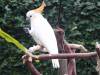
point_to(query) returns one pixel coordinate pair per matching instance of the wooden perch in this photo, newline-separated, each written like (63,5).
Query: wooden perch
(67,51)
(34,71)
(64,56)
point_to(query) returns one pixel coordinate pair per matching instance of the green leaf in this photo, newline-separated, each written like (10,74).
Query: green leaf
(10,39)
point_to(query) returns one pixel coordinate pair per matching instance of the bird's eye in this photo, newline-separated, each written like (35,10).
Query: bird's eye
(31,16)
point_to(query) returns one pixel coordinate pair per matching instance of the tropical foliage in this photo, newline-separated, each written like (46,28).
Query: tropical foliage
(79,18)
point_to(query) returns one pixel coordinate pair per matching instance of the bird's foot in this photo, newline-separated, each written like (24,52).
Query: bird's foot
(26,58)
(44,50)
(34,48)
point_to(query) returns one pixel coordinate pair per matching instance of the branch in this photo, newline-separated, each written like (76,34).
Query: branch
(31,67)
(65,56)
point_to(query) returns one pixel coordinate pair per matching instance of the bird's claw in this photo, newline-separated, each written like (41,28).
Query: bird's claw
(34,48)
(37,57)
(26,58)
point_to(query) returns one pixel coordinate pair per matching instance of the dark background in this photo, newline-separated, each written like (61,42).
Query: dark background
(80,20)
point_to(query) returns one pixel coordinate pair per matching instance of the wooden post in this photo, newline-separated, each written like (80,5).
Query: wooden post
(67,66)
(98,49)
(71,61)
(60,40)
(98,57)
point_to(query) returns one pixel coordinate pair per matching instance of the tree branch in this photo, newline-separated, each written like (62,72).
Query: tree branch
(31,67)
(65,56)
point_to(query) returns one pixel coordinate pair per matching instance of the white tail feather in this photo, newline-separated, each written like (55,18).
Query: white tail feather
(55,63)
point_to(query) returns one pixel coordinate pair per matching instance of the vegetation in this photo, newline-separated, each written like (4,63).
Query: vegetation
(79,18)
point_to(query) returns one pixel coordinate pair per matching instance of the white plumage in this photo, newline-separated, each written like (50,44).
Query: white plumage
(43,34)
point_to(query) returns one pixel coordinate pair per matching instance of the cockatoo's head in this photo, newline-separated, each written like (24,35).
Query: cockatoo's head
(34,12)
(29,14)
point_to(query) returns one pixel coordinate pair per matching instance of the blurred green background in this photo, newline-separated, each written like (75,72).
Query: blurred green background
(80,20)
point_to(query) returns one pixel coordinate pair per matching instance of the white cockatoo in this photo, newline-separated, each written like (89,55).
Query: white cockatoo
(42,32)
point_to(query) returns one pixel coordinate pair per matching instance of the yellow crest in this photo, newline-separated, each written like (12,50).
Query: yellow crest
(41,8)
